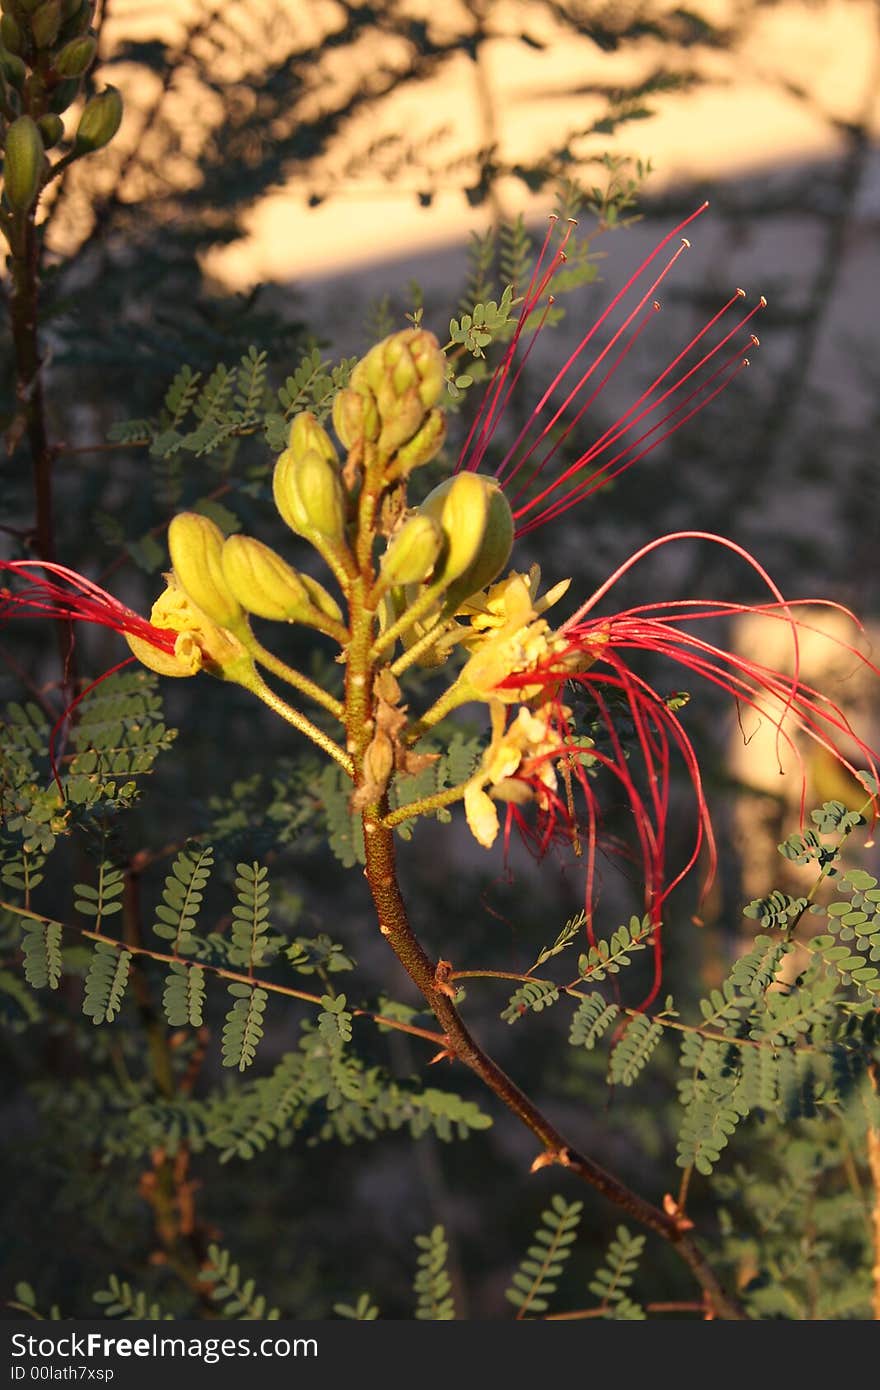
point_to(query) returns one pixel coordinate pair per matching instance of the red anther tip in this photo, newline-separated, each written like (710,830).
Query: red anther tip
(741,293)
(551,299)
(746,362)
(685,242)
(553,217)
(656,306)
(563,256)
(756,340)
(572,221)
(763,302)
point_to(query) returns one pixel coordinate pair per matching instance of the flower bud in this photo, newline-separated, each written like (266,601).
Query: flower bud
(201,644)
(379,760)
(306,433)
(69,8)
(66,92)
(75,57)
(23,164)
(45,23)
(405,373)
(99,121)
(266,585)
(425,444)
(355,417)
(309,496)
(51,130)
(196,546)
(412,553)
(12,68)
(10,34)
(476,519)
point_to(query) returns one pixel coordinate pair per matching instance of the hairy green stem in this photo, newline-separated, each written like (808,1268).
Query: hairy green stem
(293,677)
(301,722)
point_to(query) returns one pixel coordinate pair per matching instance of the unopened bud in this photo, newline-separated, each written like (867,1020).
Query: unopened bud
(10,34)
(23,164)
(51,130)
(355,417)
(267,585)
(71,7)
(321,600)
(195,544)
(309,496)
(405,374)
(75,57)
(306,434)
(425,444)
(476,519)
(379,760)
(45,23)
(64,94)
(13,69)
(99,121)
(413,552)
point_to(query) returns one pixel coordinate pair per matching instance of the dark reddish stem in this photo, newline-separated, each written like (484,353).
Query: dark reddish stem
(394,925)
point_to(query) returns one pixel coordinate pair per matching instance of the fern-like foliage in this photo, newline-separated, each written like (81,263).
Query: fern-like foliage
(41,945)
(120,1300)
(243,1028)
(364,1310)
(100,901)
(183,997)
(609,957)
(105,983)
(432,1285)
(634,1050)
(536,1279)
(250,915)
(237,1298)
(591,1020)
(615,1276)
(182,897)
(534,995)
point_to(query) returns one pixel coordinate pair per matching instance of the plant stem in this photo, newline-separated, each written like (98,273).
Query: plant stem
(381,874)
(295,678)
(304,725)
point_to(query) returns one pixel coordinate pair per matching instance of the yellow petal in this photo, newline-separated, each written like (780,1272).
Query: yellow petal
(482,816)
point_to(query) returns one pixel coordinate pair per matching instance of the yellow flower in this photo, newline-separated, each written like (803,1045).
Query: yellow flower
(508,635)
(201,645)
(516,766)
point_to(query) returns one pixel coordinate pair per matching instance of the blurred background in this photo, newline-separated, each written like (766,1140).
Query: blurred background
(303,174)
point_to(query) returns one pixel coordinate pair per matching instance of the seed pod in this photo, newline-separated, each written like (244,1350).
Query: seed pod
(476,519)
(263,582)
(23,164)
(45,23)
(10,34)
(195,544)
(75,57)
(51,130)
(413,552)
(99,121)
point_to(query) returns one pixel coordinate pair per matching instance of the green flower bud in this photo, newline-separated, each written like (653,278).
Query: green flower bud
(195,544)
(13,69)
(309,496)
(75,57)
(69,8)
(23,165)
(45,23)
(306,434)
(476,519)
(10,34)
(266,585)
(405,373)
(99,121)
(51,130)
(412,553)
(64,94)
(425,444)
(355,417)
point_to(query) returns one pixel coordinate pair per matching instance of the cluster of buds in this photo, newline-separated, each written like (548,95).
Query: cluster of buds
(46,49)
